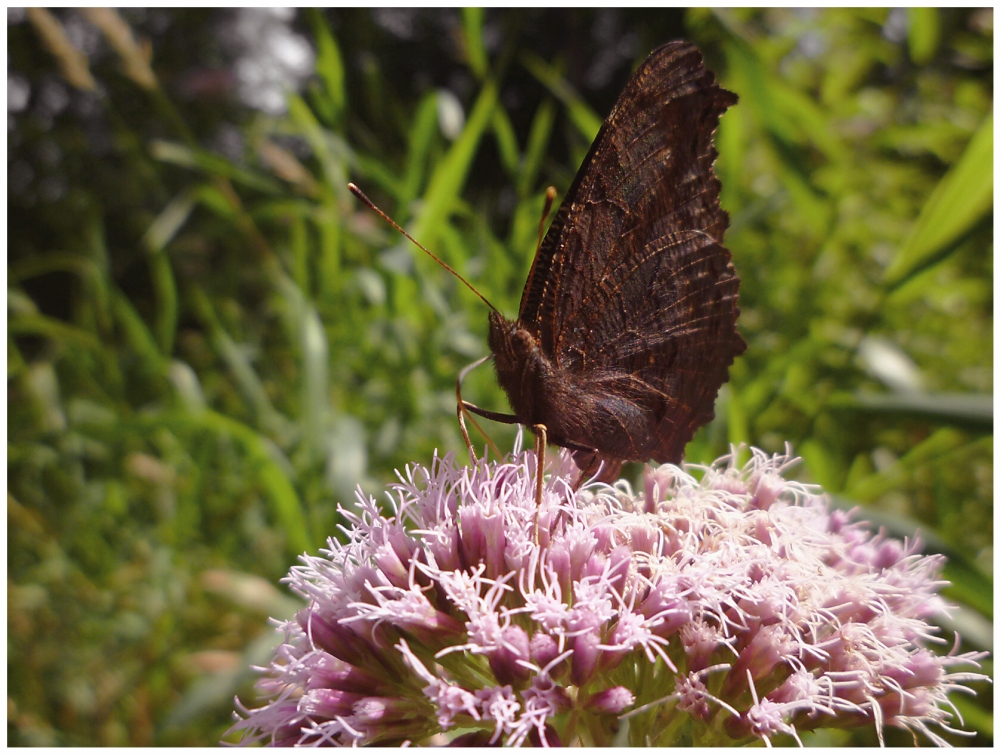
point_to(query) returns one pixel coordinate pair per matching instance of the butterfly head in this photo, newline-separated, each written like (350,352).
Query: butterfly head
(501,338)
(518,359)
(509,342)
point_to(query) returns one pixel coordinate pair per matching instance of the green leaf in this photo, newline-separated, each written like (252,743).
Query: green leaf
(821,464)
(510,154)
(160,233)
(298,245)
(973,588)
(953,408)
(329,64)
(737,422)
(39,324)
(794,123)
(422,136)
(57,261)
(449,177)
(137,333)
(170,220)
(330,243)
(239,363)
(974,716)
(328,148)
(962,198)
(534,151)
(924,33)
(211,164)
(809,123)
(472,24)
(304,324)
(384,177)
(754,85)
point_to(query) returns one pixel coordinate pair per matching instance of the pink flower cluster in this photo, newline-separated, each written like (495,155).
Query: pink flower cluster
(715,611)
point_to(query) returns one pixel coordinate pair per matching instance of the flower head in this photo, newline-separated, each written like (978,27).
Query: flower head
(726,609)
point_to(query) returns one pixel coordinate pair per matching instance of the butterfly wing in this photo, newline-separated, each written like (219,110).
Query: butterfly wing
(632,294)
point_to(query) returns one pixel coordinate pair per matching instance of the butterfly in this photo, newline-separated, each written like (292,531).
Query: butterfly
(627,323)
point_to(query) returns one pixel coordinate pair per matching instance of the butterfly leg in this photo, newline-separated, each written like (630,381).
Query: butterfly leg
(465,431)
(541,435)
(464,406)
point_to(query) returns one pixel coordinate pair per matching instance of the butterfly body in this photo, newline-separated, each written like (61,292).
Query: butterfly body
(627,323)
(579,409)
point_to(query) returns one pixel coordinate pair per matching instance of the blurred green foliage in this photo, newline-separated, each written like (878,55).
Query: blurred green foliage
(211,343)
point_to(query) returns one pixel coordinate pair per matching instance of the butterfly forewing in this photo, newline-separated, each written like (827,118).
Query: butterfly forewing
(632,299)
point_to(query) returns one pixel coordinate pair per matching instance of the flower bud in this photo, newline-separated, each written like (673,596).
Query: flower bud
(514,646)
(610,701)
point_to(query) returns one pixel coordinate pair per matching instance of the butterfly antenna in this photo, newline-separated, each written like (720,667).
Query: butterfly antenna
(550,196)
(371,205)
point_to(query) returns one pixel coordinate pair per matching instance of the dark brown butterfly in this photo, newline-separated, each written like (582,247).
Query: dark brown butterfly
(627,325)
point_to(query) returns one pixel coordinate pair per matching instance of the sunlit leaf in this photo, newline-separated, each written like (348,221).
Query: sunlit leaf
(924,33)
(421,137)
(960,200)
(452,171)
(472,23)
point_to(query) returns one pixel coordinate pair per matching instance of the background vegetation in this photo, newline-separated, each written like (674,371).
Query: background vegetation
(211,343)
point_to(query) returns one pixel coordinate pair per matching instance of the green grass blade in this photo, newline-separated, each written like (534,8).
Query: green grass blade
(238,363)
(510,153)
(792,122)
(49,327)
(960,409)
(475,51)
(924,33)
(298,245)
(167,224)
(383,176)
(587,122)
(737,422)
(56,261)
(322,144)
(304,324)
(962,198)
(330,246)
(975,717)
(137,334)
(422,135)
(329,64)
(160,233)
(212,165)
(449,177)
(536,147)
